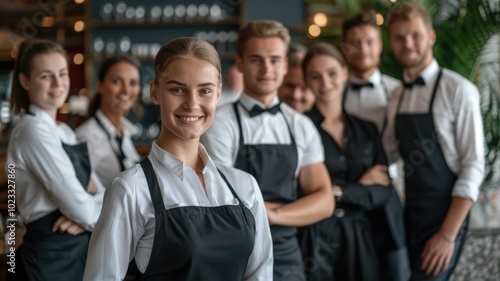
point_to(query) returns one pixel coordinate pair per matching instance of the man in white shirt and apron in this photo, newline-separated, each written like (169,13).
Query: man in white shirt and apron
(274,143)
(435,124)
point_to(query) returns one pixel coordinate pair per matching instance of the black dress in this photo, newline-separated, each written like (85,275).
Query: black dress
(353,244)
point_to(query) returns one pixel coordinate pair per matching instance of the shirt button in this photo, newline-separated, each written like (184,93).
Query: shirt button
(342,158)
(339,213)
(367,151)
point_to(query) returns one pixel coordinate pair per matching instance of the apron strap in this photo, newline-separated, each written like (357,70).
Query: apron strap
(154,187)
(238,119)
(230,187)
(119,154)
(434,90)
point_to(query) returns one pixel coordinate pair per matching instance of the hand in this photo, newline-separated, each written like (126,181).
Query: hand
(92,187)
(272,213)
(437,254)
(375,175)
(65,225)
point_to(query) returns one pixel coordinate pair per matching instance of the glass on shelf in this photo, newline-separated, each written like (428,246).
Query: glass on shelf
(110,47)
(215,13)
(153,49)
(106,12)
(221,46)
(203,11)
(153,131)
(180,13)
(212,37)
(168,13)
(130,14)
(140,14)
(5,112)
(138,131)
(120,10)
(202,35)
(155,13)
(140,50)
(191,12)
(98,45)
(125,45)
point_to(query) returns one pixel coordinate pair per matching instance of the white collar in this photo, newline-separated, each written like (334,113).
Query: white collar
(176,165)
(375,78)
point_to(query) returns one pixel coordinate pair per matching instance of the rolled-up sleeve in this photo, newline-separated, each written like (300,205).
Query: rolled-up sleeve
(469,138)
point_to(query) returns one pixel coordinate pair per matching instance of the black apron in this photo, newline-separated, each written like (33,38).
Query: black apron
(273,166)
(429,184)
(46,255)
(120,156)
(197,243)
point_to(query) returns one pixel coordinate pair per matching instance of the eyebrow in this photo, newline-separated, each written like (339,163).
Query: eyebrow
(184,85)
(262,57)
(50,71)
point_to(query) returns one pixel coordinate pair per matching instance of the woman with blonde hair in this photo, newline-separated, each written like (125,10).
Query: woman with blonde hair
(176,213)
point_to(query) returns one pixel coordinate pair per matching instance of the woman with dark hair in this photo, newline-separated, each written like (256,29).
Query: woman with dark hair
(52,170)
(363,240)
(176,213)
(107,131)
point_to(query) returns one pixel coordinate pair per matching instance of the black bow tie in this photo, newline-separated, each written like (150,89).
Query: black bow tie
(357,86)
(418,81)
(256,110)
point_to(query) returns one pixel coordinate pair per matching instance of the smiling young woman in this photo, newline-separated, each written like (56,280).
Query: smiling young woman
(107,131)
(53,170)
(177,214)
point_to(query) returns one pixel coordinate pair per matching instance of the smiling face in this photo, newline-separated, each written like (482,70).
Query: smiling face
(362,48)
(48,83)
(326,77)
(412,42)
(120,88)
(264,65)
(294,91)
(187,92)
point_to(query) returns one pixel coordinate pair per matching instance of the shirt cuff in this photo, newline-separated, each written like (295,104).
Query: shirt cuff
(465,189)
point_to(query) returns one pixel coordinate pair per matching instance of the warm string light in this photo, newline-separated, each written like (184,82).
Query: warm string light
(380,19)
(78,59)
(79,26)
(320,19)
(314,30)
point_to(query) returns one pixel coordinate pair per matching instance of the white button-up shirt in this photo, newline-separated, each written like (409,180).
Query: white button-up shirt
(103,147)
(457,117)
(371,103)
(45,176)
(222,139)
(126,226)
